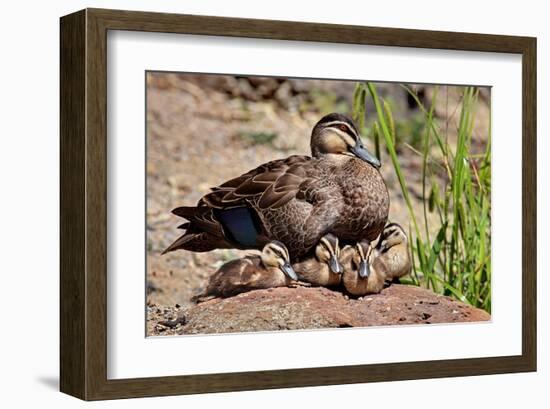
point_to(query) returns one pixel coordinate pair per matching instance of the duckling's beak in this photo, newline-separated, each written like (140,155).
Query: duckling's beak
(335,265)
(361,152)
(364,266)
(289,271)
(364,269)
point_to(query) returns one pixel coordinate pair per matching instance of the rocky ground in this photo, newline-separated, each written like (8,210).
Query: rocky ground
(202,130)
(309,308)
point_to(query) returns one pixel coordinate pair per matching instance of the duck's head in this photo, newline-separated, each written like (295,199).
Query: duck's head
(336,134)
(361,258)
(275,255)
(392,235)
(328,252)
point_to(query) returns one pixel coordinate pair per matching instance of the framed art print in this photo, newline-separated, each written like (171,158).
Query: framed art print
(252,204)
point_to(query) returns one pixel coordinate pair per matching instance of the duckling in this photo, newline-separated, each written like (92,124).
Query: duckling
(359,278)
(295,200)
(324,269)
(269,269)
(366,269)
(392,250)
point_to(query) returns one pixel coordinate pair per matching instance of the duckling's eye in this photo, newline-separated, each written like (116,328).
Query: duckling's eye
(343,128)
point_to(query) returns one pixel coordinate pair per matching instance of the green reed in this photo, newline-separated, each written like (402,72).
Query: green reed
(452,258)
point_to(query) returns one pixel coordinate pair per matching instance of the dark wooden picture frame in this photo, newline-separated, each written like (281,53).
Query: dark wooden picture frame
(83,331)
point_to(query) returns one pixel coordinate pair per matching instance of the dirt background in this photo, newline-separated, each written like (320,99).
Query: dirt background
(204,129)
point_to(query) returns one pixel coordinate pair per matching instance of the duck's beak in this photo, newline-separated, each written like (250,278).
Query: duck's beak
(361,152)
(364,266)
(335,265)
(289,271)
(364,269)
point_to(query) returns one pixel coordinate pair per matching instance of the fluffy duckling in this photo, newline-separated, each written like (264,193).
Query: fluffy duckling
(392,251)
(325,268)
(270,269)
(367,269)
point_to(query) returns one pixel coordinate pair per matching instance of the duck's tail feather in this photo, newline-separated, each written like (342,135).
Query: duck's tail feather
(179,243)
(197,241)
(208,229)
(187,212)
(202,231)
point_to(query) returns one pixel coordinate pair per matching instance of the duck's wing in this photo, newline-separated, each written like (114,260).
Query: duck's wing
(227,217)
(269,186)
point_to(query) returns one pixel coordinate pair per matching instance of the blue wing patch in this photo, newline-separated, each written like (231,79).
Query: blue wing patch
(239,225)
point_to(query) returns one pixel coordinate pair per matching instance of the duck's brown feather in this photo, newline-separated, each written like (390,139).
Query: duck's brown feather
(270,185)
(295,200)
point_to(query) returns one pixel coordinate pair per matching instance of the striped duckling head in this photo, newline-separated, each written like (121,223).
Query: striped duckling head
(275,255)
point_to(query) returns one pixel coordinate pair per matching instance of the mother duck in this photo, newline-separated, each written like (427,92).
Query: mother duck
(296,200)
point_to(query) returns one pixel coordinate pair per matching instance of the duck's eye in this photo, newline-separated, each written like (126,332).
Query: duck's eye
(343,128)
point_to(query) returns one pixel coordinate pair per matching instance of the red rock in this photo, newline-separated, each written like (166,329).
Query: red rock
(307,308)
